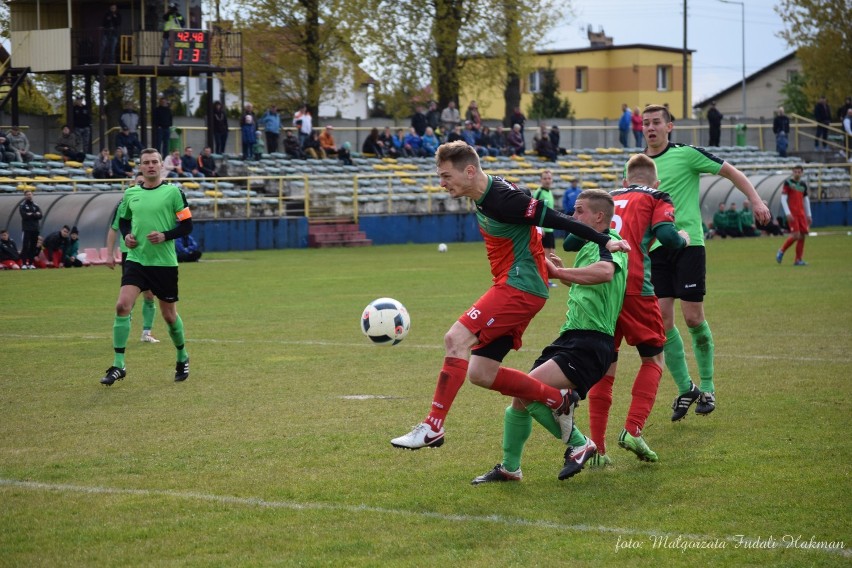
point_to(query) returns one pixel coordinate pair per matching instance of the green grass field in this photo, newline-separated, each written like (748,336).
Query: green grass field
(276,450)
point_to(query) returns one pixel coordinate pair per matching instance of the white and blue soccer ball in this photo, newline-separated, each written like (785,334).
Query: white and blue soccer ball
(385,321)
(442,247)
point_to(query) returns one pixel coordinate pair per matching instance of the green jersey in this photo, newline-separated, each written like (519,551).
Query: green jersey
(679,168)
(546,195)
(596,307)
(148,210)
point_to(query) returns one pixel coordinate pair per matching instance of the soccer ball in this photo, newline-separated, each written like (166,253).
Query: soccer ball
(385,321)
(442,247)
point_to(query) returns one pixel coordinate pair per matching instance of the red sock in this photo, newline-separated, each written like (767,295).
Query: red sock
(600,401)
(787,244)
(450,380)
(512,382)
(800,248)
(644,394)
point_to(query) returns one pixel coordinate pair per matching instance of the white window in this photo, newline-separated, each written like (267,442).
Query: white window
(581,79)
(535,81)
(664,77)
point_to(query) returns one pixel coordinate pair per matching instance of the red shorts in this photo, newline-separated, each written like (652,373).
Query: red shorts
(640,322)
(798,224)
(502,311)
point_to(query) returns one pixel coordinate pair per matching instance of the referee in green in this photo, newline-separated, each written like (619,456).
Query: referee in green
(680,274)
(150,217)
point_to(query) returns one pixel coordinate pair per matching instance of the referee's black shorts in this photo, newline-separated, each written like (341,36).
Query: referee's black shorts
(161,280)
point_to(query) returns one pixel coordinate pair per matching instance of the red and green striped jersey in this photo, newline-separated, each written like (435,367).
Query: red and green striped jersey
(638,211)
(796,191)
(508,217)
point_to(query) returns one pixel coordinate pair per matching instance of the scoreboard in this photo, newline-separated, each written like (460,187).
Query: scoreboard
(190,47)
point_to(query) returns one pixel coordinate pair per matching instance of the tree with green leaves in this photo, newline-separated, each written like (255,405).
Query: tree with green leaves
(795,100)
(546,102)
(821,33)
(297,53)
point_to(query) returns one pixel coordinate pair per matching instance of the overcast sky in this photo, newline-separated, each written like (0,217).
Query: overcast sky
(714,32)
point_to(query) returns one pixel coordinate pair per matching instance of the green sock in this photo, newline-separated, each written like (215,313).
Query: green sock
(517,427)
(676,361)
(176,333)
(120,333)
(577,438)
(544,416)
(702,346)
(149,310)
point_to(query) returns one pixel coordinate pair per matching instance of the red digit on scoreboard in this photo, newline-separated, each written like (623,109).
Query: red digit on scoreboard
(196,55)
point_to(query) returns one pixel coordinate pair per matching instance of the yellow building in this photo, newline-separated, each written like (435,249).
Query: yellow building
(597,80)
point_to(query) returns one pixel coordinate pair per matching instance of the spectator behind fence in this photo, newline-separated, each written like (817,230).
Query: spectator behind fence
(71,250)
(636,124)
(271,122)
(173,166)
(822,115)
(248,134)
(433,117)
(189,164)
(372,144)
(472,114)
(220,127)
(292,146)
(312,146)
(82,121)
(326,140)
(781,129)
(121,167)
(625,123)
(103,166)
(544,149)
(111,26)
(206,163)
(19,143)
(430,142)
(412,144)
(450,117)
(386,138)
(515,141)
(54,246)
(187,249)
(714,120)
(498,140)
(7,153)
(129,141)
(162,120)
(69,144)
(418,120)
(10,258)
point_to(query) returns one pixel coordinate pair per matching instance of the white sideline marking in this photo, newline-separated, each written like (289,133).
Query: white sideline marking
(408,345)
(263,503)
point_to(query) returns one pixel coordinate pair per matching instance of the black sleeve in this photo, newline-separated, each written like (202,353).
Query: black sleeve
(556,220)
(183,229)
(516,206)
(124,226)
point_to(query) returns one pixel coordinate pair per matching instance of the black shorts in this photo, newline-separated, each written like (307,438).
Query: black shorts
(161,280)
(584,357)
(679,273)
(548,241)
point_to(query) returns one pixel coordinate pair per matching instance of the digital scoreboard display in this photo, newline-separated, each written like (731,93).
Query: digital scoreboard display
(190,47)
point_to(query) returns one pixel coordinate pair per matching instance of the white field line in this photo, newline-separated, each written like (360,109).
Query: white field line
(409,345)
(671,539)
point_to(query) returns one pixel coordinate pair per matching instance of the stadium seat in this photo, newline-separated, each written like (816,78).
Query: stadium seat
(93,256)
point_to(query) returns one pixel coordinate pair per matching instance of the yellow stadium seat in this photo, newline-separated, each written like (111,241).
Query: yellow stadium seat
(214,193)
(73,164)
(191,185)
(53,157)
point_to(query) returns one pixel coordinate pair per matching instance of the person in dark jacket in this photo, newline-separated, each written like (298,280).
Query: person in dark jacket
(220,127)
(54,246)
(162,120)
(30,221)
(10,258)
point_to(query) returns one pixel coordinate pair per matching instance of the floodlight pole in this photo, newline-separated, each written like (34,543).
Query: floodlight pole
(742,8)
